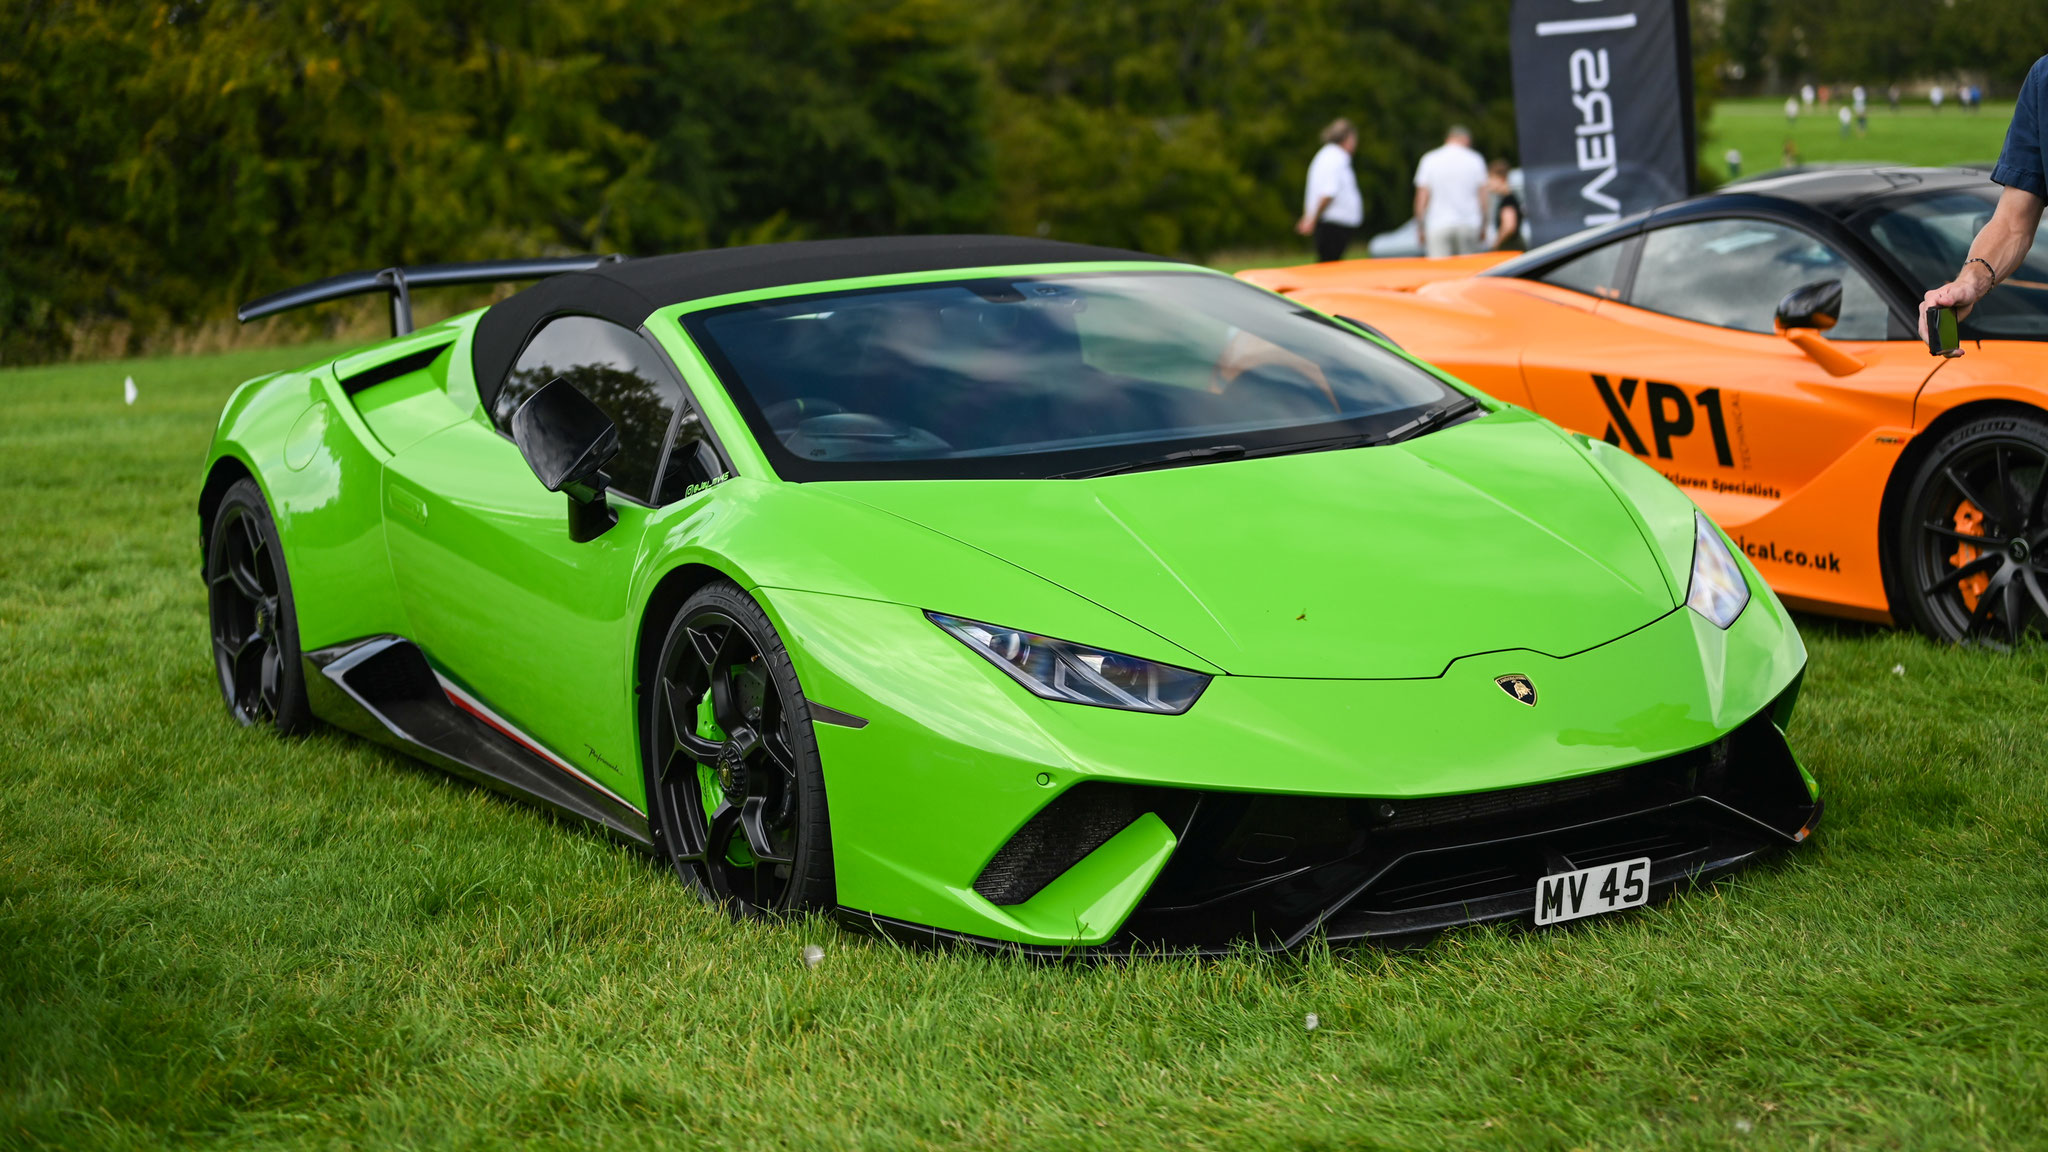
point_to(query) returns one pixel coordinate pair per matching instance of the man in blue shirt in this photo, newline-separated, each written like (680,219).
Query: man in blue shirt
(2004,241)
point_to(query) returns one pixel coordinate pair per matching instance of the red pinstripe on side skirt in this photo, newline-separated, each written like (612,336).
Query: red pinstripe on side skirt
(476,708)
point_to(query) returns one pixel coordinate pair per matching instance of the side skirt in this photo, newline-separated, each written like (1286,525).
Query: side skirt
(383,688)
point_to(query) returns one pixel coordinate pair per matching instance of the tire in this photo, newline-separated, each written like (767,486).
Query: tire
(1971,545)
(253,622)
(736,793)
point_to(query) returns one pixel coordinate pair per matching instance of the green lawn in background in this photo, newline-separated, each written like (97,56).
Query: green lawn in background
(1915,134)
(210,936)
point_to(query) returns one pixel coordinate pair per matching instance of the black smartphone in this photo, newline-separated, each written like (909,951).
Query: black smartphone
(1941,332)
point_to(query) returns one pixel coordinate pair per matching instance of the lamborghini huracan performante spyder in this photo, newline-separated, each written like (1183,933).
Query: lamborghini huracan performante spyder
(1006,591)
(1759,347)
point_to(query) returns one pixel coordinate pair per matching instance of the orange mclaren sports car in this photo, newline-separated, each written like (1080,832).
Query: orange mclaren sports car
(1759,347)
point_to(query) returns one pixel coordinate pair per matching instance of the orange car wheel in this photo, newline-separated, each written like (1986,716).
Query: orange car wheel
(1973,545)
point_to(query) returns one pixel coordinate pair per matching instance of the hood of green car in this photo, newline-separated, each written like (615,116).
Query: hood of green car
(1364,563)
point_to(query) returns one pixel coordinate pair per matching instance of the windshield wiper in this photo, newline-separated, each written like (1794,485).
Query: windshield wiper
(1427,422)
(1170,460)
(1430,421)
(1354,440)
(1416,427)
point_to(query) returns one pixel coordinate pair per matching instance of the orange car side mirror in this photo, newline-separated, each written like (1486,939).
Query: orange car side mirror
(1817,305)
(1808,311)
(1817,348)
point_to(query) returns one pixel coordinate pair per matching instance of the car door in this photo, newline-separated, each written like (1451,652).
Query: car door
(531,630)
(1687,370)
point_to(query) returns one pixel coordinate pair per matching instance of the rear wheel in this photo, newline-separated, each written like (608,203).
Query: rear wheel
(255,628)
(1972,545)
(735,791)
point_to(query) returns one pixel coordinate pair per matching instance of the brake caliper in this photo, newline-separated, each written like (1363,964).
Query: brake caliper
(1969,520)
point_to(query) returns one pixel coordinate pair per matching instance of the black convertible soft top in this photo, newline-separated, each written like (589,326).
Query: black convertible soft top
(628,291)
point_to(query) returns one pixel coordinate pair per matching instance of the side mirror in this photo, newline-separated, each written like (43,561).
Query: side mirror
(567,441)
(1807,312)
(1816,306)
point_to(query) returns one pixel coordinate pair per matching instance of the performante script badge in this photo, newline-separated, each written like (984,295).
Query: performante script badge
(1517,685)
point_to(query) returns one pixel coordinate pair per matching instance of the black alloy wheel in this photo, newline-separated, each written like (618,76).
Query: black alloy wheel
(254,624)
(736,793)
(1973,544)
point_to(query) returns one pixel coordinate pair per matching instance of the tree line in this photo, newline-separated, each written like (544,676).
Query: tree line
(161,161)
(1776,43)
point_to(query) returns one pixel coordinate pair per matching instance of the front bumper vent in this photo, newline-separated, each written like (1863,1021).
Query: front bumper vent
(1078,822)
(1274,870)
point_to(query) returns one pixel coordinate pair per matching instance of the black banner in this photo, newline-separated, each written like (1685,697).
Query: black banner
(1603,110)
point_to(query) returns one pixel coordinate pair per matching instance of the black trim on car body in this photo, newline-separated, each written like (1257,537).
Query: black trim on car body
(384,688)
(406,365)
(833,716)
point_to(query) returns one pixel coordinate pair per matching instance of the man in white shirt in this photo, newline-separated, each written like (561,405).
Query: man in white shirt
(1331,208)
(1450,197)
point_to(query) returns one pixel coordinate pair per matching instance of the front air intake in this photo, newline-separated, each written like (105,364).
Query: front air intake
(1080,820)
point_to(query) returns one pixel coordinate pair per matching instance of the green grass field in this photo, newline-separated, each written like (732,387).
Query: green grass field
(1915,134)
(212,936)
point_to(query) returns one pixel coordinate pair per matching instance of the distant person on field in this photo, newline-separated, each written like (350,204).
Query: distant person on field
(1505,221)
(1791,110)
(1733,157)
(1331,208)
(1846,118)
(1806,95)
(1450,196)
(1861,101)
(1935,96)
(1790,158)
(2002,245)
(1892,94)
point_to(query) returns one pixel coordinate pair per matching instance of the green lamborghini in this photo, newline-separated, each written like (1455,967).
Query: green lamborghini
(1005,591)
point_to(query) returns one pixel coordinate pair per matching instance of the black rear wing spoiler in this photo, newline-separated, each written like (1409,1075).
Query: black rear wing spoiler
(398,283)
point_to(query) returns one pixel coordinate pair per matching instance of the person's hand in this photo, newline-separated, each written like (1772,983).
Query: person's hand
(1306,225)
(1961,293)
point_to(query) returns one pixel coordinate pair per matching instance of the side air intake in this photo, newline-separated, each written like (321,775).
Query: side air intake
(1079,821)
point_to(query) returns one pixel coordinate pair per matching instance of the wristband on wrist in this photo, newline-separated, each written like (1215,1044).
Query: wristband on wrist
(1989,270)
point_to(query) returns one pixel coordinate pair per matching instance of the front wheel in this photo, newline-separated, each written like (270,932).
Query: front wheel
(1972,544)
(735,790)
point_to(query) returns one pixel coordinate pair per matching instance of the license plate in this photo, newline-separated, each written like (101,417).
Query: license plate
(1591,891)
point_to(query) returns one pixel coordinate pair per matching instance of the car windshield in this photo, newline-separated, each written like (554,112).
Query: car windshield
(1049,375)
(1930,238)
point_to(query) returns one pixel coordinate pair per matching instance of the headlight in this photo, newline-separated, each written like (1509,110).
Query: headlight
(1058,670)
(1718,590)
